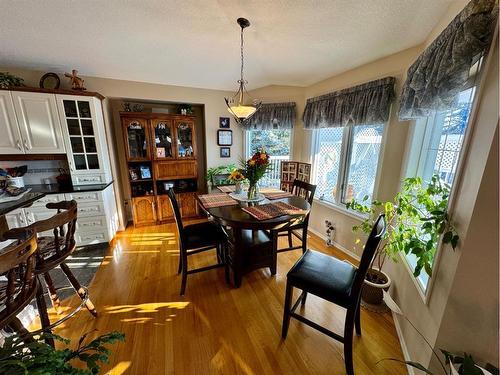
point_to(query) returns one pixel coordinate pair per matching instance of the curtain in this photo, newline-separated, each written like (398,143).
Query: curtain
(441,71)
(272,116)
(364,104)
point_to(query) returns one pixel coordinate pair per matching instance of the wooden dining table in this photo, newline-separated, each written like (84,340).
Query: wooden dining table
(238,220)
(6,207)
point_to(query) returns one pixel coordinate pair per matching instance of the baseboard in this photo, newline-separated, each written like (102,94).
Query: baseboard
(335,244)
(404,348)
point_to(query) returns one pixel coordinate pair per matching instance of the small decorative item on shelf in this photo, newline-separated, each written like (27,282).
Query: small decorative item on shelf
(237,177)
(145,172)
(50,81)
(8,80)
(126,107)
(185,109)
(134,175)
(224,122)
(64,179)
(330,229)
(254,169)
(76,82)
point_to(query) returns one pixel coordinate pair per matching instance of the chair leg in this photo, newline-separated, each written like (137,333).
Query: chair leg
(304,297)
(304,239)
(348,332)
(274,263)
(53,292)
(179,268)
(290,241)
(184,275)
(357,321)
(23,333)
(78,288)
(286,310)
(226,263)
(44,316)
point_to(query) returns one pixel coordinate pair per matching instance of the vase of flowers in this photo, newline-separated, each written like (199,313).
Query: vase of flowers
(237,177)
(254,169)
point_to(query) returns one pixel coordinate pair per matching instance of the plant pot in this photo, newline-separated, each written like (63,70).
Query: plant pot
(371,292)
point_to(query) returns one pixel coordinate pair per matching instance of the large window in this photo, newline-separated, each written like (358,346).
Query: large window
(436,148)
(346,162)
(277,142)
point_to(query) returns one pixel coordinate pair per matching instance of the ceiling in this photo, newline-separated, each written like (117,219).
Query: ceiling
(196,43)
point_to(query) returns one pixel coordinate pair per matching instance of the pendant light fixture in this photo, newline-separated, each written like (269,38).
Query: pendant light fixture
(236,104)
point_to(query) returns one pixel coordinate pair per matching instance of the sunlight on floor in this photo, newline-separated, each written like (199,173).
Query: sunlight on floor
(145,307)
(120,368)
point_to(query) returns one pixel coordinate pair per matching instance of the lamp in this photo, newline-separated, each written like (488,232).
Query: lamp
(235,104)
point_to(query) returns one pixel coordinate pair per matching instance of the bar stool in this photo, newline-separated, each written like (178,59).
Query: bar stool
(17,290)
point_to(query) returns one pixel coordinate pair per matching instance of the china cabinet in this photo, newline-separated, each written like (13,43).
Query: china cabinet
(161,153)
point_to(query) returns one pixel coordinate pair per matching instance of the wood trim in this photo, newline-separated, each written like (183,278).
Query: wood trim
(55,91)
(158,116)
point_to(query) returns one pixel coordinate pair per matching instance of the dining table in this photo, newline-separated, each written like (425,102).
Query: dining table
(26,200)
(239,223)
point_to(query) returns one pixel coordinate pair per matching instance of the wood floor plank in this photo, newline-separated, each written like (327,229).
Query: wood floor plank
(214,328)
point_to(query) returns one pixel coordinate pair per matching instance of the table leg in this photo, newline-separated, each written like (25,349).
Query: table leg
(4,227)
(274,238)
(237,257)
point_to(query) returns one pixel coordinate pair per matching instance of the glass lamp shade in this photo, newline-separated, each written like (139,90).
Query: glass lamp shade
(242,111)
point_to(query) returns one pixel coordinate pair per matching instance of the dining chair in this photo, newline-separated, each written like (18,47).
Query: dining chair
(197,238)
(336,281)
(306,191)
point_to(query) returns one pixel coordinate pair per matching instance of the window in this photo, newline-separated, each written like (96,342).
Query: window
(436,148)
(277,142)
(346,162)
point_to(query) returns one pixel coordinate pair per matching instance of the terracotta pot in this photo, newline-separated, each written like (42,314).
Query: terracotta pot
(371,292)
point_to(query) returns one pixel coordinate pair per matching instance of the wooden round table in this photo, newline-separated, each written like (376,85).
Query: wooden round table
(242,223)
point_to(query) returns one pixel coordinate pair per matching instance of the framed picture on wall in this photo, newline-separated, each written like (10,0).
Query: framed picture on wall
(225,152)
(224,122)
(224,137)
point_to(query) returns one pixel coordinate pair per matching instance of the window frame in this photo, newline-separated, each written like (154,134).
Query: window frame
(414,165)
(344,164)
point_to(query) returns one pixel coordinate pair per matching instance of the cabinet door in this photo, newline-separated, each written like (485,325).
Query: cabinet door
(34,214)
(185,139)
(188,204)
(39,123)
(10,141)
(136,136)
(16,219)
(144,210)
(78,121)
(165,211)
(163,139)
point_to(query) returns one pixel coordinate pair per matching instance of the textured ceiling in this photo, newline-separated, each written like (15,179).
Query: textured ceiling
(196,43)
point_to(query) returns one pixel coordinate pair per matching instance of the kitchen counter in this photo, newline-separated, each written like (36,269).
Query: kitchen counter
(56,189)
(26,200)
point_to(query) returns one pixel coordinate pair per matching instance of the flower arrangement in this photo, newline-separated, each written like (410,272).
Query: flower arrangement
(236,176)
(254,169)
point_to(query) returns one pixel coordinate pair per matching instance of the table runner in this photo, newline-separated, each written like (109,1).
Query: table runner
(277,194)
(216,200)
(272,210)
(227,188)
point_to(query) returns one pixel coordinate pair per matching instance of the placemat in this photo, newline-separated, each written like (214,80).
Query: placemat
(277,194)
(272,210)
(227,189)
(216,200)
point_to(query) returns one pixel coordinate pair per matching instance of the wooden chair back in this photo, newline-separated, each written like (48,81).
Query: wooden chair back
(17,262)
(177,215)
(371,246)
(304,189)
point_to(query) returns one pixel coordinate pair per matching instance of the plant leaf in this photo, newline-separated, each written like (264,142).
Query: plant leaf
(391,303)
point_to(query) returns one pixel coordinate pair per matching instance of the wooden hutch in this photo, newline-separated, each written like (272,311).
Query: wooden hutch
(161,154)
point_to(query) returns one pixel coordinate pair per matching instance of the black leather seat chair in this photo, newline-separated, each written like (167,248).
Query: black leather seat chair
(196,238)
(335,281)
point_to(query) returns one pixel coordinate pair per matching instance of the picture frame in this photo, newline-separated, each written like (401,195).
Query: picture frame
(50,81)
(224,137)
(225,152)
(224,122)
(145,172)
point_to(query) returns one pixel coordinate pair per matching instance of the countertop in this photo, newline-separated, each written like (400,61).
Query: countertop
(56,189)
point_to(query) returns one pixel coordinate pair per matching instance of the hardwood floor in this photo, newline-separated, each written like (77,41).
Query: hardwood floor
(214,328)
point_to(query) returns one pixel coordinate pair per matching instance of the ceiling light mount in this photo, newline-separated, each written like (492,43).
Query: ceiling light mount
(236,104)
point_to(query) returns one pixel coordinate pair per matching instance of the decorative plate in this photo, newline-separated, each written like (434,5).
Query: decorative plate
(244,198)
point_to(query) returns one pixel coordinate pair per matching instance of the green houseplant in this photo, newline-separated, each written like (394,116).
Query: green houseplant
(214,171)
(38,358)
(417,217)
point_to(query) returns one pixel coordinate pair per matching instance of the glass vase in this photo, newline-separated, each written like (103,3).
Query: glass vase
(252,190)
(237,187)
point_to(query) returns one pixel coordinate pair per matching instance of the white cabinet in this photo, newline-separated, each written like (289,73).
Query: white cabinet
(83,128)
(38,122)
(10,141)
(16,219)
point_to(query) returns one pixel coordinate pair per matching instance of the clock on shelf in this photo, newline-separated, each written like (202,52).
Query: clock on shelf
(224,137)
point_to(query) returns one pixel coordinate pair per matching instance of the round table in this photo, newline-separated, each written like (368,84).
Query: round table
(241,256)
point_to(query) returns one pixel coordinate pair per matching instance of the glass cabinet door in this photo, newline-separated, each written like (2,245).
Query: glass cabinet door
(82,139)
(137,140)
(163,139)
(185,136)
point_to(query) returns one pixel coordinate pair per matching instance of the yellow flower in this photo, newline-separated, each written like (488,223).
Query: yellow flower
(251,162)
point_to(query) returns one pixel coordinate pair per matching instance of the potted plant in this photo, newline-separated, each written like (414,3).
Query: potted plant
(37,357)
(416,219)
(254,169)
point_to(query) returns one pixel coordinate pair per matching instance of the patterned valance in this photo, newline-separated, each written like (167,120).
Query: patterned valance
(273,116)
(368,103)
(441,71)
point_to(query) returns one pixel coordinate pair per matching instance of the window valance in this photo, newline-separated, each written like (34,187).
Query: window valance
(364,104)
(273,116)
(441,71)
